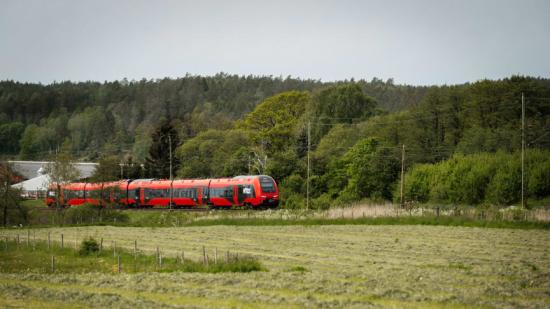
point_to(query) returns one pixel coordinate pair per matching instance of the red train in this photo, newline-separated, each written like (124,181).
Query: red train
(259,191)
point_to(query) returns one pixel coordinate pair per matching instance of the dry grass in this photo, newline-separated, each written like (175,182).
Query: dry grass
(311,266)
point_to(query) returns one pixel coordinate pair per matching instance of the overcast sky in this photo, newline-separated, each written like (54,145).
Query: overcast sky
(414,42)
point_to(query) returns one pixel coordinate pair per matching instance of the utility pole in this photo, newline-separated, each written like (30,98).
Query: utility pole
(522,150)
(402,172)
(171,180)
(308,148)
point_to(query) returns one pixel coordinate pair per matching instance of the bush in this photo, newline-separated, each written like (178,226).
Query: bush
(88,246)
(491,178)
(294,201)
(322,202)
(89,213)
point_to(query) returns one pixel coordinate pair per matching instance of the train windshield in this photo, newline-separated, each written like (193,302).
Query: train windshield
(267,184)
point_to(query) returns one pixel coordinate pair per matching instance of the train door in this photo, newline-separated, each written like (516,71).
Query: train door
(241,194)
(141,196)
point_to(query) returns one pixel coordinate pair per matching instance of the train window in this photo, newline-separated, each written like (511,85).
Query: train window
(221,192)
(133,194)
(248,191)
(188,193)
(157,193)
(95,194)
(267,184)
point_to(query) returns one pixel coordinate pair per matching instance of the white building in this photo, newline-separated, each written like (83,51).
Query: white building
(37,182)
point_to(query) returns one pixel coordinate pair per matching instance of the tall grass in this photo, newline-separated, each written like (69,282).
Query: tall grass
(37,257)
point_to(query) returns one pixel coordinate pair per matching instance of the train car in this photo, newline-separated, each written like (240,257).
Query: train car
(115,193)
(51,195)
(150,192)
(258,191)
(248,191)
(73,194)
(190,193)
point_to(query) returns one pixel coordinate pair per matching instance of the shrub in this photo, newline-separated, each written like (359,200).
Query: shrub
(88,246)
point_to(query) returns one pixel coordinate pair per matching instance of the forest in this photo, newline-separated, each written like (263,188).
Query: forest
(460,143)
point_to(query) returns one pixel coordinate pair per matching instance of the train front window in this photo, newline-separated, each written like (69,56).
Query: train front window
(267,184)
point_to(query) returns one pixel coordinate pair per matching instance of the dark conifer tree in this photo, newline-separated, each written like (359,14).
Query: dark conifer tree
(157,164)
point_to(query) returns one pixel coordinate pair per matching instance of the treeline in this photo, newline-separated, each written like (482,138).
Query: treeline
(356,131)
(119,117)
(484,178)
(356,147)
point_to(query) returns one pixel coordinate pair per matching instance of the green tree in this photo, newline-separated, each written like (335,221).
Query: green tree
(10,198)
(371,169)
(61,171)
(107,170)
(273,122)
(165,141)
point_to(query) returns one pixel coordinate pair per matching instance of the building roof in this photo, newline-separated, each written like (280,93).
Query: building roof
(39,183)
(32,169)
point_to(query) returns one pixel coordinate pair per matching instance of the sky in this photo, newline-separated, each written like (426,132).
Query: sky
(417,42)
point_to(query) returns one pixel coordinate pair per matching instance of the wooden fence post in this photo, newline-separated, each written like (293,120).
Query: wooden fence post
(61,240)
(216,256)
(53,263)
(28,238)
(158,255)
(114,248)
(227,256)
(135,249)
(101,245)
(437,211)
(118,262)
(49,241)
(182,257)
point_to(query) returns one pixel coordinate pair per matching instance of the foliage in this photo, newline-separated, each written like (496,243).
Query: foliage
(272,123)
(107,170)
(10,199)
(214,153)
(88,246)
(165,142)
(479,178)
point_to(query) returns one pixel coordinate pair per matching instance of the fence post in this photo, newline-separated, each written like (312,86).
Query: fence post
(437,211)
(135,249)
(28,238)
(114,248)
(182,257)
(53,263)
(204,260)
(6,244)
(227,256)
(216,256)
(61,240)
(17,240)
(101,245)
(160,260)
(118,262)
(49,241)
(158,255)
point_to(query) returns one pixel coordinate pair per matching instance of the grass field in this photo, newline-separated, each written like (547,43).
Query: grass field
(308,266)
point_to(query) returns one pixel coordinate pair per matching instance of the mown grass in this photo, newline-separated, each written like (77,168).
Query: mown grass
(412,220)
(37,257)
